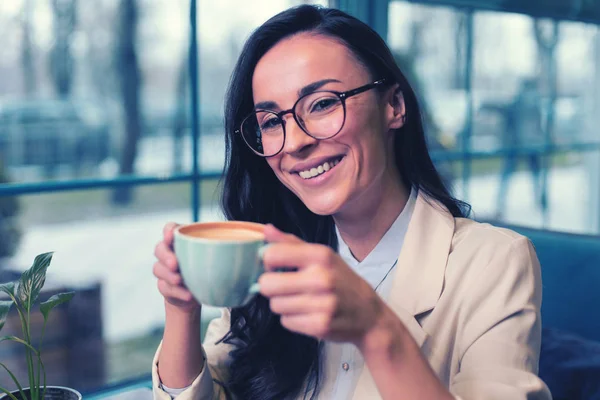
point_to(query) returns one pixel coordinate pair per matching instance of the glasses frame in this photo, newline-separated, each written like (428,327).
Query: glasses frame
(341,95)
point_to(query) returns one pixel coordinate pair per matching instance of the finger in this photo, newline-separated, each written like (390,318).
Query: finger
(315,324)
(166,256)
(174,292)
(162,272)
(168,232)
(303,304)
(300,255)
(274,235)
(310,280)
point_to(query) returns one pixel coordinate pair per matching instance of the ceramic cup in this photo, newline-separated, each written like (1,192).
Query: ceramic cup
(219,261)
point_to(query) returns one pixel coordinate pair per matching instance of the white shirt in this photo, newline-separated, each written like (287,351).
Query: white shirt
(343,362)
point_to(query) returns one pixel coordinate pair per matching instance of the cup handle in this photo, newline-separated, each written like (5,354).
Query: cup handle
(254,289)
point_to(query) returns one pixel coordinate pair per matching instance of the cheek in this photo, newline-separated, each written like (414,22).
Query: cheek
(365,134)
(271,145)
(364,118)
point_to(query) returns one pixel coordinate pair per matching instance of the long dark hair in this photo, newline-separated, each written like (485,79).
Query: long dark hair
(270,362)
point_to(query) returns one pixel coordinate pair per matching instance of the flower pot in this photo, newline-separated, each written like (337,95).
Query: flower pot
(52,393)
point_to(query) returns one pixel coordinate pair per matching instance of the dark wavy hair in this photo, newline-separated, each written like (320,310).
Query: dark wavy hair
(268,361)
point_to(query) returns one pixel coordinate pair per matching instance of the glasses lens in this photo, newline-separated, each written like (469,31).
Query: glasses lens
(321,114)
(263,132)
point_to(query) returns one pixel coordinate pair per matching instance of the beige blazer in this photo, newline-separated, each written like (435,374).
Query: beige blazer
(469,293)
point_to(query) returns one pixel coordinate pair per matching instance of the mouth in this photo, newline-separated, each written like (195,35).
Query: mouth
(320,169)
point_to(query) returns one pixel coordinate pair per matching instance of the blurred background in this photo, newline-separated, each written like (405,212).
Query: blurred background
(111,125)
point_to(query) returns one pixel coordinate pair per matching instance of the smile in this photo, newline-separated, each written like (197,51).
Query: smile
(320,169)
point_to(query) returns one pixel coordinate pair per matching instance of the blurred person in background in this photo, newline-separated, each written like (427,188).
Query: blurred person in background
(523,138)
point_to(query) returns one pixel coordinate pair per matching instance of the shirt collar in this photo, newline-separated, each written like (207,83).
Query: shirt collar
(388,248)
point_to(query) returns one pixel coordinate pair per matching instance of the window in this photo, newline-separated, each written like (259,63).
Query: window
(512,104)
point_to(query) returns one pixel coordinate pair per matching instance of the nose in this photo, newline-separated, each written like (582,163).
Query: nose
(296,140)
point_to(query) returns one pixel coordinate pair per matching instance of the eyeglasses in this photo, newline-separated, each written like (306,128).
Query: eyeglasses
(319,114)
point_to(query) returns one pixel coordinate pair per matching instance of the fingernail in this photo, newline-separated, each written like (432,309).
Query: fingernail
(262,249)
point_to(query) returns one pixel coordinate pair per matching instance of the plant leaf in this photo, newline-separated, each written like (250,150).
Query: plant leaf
(5,306)
(8,394)
(54,301)
(21,341)
(8,288)
(33,280)
(14,378)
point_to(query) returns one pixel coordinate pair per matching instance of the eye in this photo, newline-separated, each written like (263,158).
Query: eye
(324,104)
(270,123)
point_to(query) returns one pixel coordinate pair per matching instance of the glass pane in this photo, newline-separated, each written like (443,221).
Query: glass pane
(91,89)
(110,330)
(532,105)
(588,10)
(504,62)
(578,82)
(429,45)
(423,41)
(562,199)
(520,115)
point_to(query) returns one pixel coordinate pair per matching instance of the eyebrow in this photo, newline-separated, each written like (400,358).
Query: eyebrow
(312,87)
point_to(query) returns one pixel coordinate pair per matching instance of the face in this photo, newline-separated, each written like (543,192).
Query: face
(357,161)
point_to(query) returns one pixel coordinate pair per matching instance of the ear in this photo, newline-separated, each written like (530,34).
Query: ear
(395,108)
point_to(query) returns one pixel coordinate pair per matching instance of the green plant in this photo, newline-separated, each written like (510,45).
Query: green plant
(23,294)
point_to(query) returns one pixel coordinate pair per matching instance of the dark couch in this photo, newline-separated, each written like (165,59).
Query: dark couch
(570,357)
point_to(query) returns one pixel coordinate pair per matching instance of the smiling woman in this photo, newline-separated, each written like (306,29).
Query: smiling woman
(393,289)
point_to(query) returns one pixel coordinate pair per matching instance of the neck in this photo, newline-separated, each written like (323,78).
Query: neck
(365,222)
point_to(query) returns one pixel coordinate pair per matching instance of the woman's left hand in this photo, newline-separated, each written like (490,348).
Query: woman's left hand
(324,297)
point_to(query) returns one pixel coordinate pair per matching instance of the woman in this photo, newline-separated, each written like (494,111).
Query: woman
(396,293)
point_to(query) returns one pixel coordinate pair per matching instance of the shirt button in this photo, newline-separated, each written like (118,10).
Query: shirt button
(345,366)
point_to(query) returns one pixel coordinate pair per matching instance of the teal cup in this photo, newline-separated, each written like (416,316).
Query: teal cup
(219,261)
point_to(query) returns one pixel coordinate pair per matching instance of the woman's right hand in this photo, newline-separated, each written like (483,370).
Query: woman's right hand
(166,269)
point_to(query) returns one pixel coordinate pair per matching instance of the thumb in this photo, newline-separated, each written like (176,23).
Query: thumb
(168,232)
(274,235)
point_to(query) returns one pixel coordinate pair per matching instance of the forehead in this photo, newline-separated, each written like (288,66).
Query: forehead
(303,59)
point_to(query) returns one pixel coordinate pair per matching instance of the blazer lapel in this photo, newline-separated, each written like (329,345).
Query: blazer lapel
(419,278)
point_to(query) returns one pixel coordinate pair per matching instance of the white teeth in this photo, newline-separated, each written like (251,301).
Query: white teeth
(326,166)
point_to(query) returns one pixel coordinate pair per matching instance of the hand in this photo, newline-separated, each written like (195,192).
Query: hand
(324,297)
(166,269)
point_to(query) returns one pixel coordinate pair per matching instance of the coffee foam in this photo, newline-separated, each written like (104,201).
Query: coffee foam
(225,233)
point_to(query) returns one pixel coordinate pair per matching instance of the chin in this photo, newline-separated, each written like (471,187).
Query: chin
(321,200)
(320,207)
